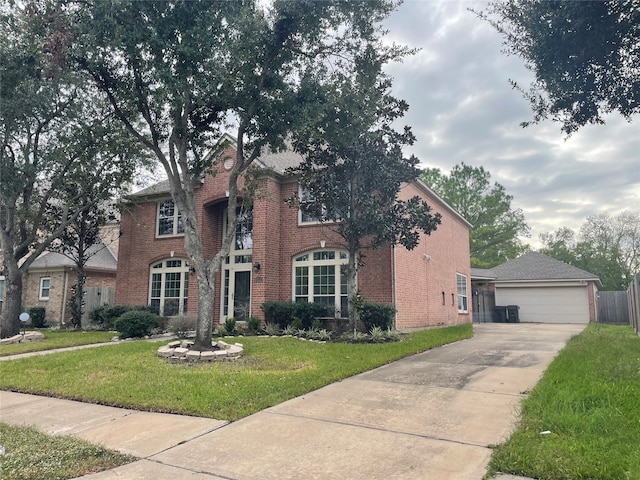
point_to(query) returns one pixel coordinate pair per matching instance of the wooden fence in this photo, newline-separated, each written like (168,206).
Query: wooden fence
(95,297)
(633,301)
(613,307)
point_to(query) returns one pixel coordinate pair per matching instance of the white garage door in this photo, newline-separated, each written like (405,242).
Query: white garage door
(547,304)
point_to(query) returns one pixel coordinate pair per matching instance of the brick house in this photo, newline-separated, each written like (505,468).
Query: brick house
(281,255)
(49,279)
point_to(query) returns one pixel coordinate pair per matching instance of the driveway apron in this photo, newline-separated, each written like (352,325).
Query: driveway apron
(429,416)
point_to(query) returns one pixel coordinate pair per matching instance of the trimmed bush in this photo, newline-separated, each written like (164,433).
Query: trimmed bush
(136,323)
(105,315)
(284,313)
(377,315)
(37,315)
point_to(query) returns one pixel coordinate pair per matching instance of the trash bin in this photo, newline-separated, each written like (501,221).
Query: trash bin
(512,314)
(500,314)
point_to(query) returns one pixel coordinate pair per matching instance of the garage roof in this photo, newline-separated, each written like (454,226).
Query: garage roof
(537,266)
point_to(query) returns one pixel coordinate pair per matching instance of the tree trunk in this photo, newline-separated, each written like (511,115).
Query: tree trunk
(78,311)
(206,289)
(10,323)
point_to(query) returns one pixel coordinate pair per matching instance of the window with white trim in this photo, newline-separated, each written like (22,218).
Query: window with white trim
(169,219)
(169,287)
(461,281)
(45,288)
(320,276)
(311,211)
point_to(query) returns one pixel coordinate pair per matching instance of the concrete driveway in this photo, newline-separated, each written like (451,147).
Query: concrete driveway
(430,416)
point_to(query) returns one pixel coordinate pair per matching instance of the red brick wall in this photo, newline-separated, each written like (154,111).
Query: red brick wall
(278,238)
(420,283)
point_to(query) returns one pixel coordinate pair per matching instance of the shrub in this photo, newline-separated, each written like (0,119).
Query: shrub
(136,323)
(230,325)
(271,329)
(284,313)
(254,324)
(37,315)
(182,326)
(377,334)
(377,315)
(106,315)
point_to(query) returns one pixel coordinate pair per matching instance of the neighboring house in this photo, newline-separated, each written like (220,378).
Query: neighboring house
(49,279)
(546,290)
(281,255)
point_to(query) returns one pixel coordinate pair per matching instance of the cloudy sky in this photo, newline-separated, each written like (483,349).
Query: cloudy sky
(463,109)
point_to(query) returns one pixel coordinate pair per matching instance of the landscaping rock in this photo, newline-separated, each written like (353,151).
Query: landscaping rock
(180,351)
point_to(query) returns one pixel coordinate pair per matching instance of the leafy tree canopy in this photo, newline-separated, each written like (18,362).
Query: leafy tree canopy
(178,74)
(60,147)
(496,226)
(607,246)
(354,168)
(585,56)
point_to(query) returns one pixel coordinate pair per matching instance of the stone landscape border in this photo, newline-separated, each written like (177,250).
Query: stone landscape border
(23,338)
(180,351)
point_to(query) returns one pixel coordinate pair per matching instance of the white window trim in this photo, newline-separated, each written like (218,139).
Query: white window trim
(338,262)
(245,264)
(40,295)
(184,280)
(311,222)
(176,216)
(466,292)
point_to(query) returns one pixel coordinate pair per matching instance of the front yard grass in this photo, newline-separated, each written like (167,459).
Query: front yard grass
(30,455)
(589,401)
(57,339)
(271,371)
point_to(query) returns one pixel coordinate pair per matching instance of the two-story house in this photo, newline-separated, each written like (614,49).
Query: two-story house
(280,254)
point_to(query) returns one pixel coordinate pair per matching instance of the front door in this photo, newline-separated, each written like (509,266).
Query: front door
(236,300)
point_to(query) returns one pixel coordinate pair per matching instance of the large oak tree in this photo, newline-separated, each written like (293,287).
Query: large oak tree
(59,145)
(180,73)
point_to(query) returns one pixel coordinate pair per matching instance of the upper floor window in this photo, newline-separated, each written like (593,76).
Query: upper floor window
(45,288)
(313,211)
(461,281)
(169,219)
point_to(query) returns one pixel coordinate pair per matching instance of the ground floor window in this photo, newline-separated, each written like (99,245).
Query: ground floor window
(461,280)
(45,288)
(321,277)
(168,290)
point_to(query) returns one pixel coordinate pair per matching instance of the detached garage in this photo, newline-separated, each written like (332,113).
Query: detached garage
(546,290)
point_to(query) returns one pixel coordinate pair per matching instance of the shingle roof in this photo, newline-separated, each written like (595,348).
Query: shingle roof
(537,266)
(479,273)
(155,189)
(102,258)
(280,161)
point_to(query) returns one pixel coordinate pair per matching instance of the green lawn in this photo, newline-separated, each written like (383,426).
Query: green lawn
(272,370)
(33,455)
(589,401)
(57,339)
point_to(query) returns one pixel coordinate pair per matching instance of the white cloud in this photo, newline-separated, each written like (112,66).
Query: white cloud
(463,109)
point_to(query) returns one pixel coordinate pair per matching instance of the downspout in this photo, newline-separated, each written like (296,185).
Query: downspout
(395,284)
(64,296)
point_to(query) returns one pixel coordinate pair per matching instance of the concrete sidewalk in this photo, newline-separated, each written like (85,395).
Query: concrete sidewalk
(429,416)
